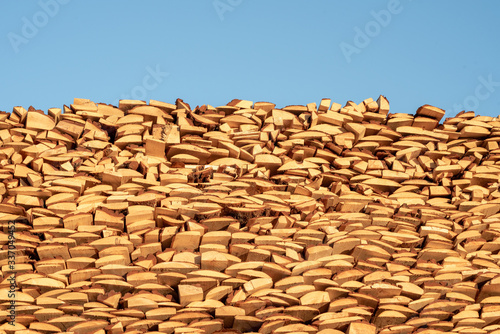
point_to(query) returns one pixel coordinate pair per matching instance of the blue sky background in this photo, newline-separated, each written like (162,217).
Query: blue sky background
(444,53)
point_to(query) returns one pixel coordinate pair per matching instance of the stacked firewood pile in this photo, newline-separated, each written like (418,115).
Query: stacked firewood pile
(245,218)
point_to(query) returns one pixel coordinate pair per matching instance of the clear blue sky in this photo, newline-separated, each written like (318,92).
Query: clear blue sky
(444,53)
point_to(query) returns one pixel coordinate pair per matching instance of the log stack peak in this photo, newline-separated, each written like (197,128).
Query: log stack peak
(246,218)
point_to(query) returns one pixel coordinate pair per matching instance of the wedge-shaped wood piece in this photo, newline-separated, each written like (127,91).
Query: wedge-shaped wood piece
(218,293)
(213,260)
(381,290)
(244,323)
(430,111)
(316,299)
(162,313)
(229,162)
(39,121)
(340,323)
(66,322)
(269,161)
(176,267)
(115,285)
(190,293)
(257,284)
(17,297)
(155,147)
(103,243)
(88,326)
(188,149)
(41,327)
(389,318)
(186,241)
(45,284)
(472,131)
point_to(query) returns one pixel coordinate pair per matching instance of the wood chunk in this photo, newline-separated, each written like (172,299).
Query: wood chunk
(155,147)
(361,328)
(39,121)
(189,293)
(186,240)
(430,111)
